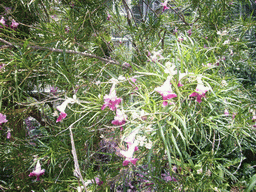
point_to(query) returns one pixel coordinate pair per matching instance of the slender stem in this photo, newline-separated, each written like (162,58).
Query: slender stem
(66,51)
(77,171)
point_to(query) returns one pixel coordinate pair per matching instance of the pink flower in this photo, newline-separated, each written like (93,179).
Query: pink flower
(2,119)
(62,116)
(164,4)
(119,119)
(166,91)
(253,118)
(189,32)
(37,172)
(108,17)
(156,56)
(129,155)
(226,112)
(130,139)
(8,134)
(98,182)
(63,106)
(111,100)
(14,24)
(167,177)
(126,65)
(2,21)
(2,65)
(67,29)
(53,89)
(181,76)
(200,90)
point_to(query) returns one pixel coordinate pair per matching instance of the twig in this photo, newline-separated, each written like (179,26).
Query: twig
(66,51)
(180,16)
(77,172)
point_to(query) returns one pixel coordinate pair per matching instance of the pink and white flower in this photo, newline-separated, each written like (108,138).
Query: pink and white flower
(3,119)
(37,172)
(200,90)
(164,4)
(108,17)
(2,21)
(129,154)
(119,119)
(63,106)
(166,91)
(156,56)
(111,100)
(226,112)
(14,24)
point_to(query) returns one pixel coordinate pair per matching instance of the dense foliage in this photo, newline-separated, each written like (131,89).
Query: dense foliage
(127,95)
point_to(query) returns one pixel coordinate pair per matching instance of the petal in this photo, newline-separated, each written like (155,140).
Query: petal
(103,107)
(199,100)
(133,161)
(194,94)
(126,162)
(165,103)
(61,116)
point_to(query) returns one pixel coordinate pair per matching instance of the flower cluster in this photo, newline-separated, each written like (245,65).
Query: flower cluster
(14,24)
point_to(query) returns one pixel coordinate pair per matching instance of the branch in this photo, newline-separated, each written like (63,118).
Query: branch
(180,16)
(77,172)
(66,51)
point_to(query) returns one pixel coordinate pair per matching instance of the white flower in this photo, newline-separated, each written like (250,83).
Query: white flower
(149,145)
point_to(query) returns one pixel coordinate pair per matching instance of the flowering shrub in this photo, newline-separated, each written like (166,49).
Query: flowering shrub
(154,108)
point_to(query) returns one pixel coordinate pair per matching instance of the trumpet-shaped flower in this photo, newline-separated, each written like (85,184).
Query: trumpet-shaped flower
(53,89)
(200,90)
(3,22)
(226,112)
(2,118)
(37,172)
(119,119)
(166,91)
(164,4)
(63,106)
(108,17)
(156,55)
(129,154)
(14,24)
(111,100)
